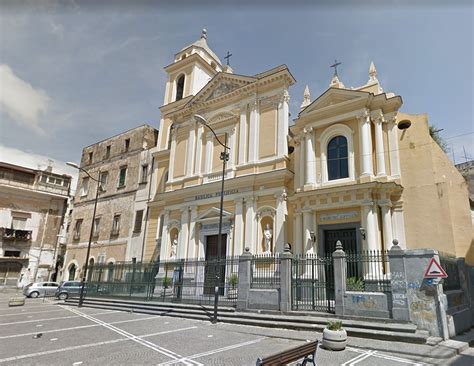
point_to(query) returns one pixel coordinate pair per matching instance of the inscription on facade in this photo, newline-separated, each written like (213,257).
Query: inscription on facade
(339,216)
(215,194)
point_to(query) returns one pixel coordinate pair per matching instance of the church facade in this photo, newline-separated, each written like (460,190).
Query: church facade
(352,168)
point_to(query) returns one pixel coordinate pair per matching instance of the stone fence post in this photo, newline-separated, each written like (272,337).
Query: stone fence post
(285,279)
(245,262)
(340,276)
(396,256)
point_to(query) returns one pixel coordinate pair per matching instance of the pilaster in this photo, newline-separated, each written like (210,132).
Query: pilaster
(379,146)
(394,154)
(253,132)
(280,222)
(365,144)
(310,157)
(239,227)
(183,233)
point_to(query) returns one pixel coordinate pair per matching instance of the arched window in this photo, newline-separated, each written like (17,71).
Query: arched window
(338,165)
(90,269)
(72,272)
(180,87)
(110,272)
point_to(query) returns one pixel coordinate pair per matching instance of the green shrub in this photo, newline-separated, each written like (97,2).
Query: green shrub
(233,280)
(334,325)
(355,284)
(166,282)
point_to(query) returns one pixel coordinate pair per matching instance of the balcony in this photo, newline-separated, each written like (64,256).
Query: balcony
(15,234)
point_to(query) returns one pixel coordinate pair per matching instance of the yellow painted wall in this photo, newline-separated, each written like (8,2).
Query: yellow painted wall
(180,154)
(216,153)
(268,133)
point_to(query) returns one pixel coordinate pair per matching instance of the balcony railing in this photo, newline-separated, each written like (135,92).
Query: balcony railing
(15,234)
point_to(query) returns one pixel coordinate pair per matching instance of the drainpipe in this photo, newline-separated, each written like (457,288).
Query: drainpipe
(147,208)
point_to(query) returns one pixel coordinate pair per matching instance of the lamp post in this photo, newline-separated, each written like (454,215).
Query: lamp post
(224,157)
(83,282)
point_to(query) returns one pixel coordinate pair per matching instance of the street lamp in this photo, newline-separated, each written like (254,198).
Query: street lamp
(81,295)
(224,157)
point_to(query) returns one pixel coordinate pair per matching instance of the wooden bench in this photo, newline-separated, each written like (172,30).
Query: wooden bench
(306,351)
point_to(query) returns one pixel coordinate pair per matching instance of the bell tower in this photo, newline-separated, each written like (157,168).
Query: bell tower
(192,68)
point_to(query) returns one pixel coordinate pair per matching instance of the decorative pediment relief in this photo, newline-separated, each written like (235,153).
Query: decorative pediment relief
(213,213)
(333,97)
(223,88)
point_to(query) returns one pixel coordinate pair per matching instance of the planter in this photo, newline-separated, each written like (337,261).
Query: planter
(16,301)
(232,294)
(335,340)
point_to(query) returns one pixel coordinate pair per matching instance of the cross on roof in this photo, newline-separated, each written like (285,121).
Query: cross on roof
(228,57)
(335,65)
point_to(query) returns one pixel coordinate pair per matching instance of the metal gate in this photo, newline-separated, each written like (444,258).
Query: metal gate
(312,283)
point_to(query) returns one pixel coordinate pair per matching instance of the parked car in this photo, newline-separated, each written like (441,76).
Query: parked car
(68,289)
(40,289)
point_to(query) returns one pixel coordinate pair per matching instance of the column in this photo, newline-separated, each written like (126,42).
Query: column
(192,251)
(165,238)
(208,166)
(279,231)
(399,224)
(239,227)
(183,233)
(190,153)
(232,152)
(197,166)
(172,153)
(379,148)
(308,228)
(298,233)
(386,223)
(369,223)
(310,158)
(301,166)
(253,132)
(394,156)
(365,144)
(250,211)
(243,135)
(283,125)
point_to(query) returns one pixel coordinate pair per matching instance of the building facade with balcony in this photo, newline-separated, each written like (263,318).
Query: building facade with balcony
(353,168)
(32,207)
(123,165)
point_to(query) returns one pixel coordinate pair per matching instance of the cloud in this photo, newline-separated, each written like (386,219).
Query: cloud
(21,101)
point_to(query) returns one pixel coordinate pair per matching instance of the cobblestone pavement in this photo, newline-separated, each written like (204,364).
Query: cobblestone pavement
(86,336)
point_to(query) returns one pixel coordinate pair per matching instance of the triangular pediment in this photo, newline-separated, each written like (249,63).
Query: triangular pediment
(334,97)
(213,213)
(221,84)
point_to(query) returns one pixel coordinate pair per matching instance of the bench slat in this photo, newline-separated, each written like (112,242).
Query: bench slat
(293,354)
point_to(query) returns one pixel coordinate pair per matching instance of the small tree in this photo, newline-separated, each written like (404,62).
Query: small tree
(434,133)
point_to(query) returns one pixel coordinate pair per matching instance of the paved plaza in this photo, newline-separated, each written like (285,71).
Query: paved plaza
(45,332)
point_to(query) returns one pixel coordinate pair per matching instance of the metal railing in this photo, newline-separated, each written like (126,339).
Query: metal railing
(368,271)
(265,271)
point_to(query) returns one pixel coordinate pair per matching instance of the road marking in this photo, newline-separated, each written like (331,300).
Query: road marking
(33,312)
(134,338)
(77,363)
(53,339)
(359,357)
(58,318)
(88,345)
(377,354)
(73,328)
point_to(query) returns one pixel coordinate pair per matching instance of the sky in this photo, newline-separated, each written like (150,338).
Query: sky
(75,72)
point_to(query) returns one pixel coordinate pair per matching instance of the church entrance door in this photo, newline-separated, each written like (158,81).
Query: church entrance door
(214,267)
(348,238)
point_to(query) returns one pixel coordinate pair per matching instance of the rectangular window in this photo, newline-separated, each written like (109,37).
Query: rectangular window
(122,176)
(144,177)
(85,186)
(103,180)
(95,231)
(138,221)
(127,144)
(116,225)
(44,179)
(12,253)
(77,230)
(90,157)
(107,152)
(19,223)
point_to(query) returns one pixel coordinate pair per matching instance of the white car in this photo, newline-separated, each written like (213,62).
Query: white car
(40,289)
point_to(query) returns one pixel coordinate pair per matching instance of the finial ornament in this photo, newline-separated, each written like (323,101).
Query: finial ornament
(372,72)
(306,98)
(204,33)
(395,242)
(339,245)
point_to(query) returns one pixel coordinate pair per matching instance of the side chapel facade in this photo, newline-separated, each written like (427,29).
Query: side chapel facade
(351,168)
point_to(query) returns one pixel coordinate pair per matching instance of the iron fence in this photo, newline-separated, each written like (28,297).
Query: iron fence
(312,283)
(265,271)
(368,271)
(194,281)
(450,266)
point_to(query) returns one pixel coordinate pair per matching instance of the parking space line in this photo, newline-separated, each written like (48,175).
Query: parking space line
(57,318)
(73,328)
(212,352)
(33,312)
(88,345)
(358,358)
(135,338)
(377,354)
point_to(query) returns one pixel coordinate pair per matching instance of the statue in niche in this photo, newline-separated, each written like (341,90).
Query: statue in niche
(174,246)
(268,234)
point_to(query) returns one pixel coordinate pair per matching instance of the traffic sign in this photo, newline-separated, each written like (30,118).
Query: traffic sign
(434,270)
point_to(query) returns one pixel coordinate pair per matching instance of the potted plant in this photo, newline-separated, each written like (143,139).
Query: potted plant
(334,336)
(166,284)
(233,281)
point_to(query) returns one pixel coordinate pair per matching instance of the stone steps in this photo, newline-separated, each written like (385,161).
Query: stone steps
(369,328)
